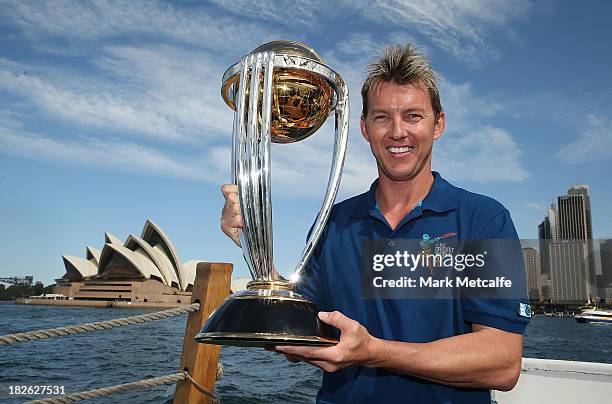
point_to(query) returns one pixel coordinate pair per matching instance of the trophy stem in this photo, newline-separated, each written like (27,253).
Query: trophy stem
(266,182)
(238,153)
(252,162)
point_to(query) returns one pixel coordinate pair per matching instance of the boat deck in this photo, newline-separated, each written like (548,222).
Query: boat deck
(559,382)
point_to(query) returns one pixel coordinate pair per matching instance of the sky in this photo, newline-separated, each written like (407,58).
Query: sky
(111,114)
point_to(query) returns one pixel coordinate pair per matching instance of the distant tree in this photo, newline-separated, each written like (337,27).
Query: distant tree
(37,289)
(15,291)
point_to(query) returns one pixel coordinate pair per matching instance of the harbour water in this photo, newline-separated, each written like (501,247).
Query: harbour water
(120,355)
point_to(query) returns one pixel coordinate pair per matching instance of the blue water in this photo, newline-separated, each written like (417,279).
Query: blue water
(120,355)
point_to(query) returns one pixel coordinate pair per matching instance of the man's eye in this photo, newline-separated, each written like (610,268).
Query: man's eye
(380,117)
(414,117)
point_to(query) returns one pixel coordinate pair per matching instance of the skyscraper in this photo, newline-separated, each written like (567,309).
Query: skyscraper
(574,224)
(575,214)
(532,272)
(606,268)
(547,232)
(568,264)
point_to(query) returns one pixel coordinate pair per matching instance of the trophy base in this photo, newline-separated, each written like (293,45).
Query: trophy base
(266,317)
(260,340)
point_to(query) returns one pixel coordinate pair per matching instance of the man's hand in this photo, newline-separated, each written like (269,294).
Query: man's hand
(486,358)
(355,346)
(231,218)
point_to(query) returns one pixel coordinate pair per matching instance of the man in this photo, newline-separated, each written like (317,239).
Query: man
(404,350)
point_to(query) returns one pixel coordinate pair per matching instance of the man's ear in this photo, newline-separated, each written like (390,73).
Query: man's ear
(440,125)
(364,129)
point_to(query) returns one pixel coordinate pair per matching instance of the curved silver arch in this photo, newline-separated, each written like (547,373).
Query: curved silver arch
(333,183)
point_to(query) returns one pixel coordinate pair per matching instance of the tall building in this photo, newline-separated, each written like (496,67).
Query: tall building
(574,224)
(575,214)
(605,282)
(568,265)
(547,232)
(532,272)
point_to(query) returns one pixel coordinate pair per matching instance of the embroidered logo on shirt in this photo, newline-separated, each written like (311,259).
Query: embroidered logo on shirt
(428,243)
(524,310)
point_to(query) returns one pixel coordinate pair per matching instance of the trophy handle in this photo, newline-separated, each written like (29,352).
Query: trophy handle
(251,163)
(340,144)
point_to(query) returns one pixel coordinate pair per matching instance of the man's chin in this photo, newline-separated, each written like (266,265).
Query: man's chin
(403,175)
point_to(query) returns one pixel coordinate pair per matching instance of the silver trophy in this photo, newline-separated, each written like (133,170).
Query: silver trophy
(282,92)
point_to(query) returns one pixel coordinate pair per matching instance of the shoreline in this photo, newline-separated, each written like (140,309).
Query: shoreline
(96,303)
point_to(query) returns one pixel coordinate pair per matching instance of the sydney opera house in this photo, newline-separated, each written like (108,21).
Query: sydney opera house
(141,271)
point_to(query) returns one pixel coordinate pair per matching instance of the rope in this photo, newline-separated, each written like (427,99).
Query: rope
(201,388)
(98,325)
(122,388)
(107,391)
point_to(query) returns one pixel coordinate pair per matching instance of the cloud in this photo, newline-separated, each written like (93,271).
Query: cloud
(595,144)
(460,27)
(157,92)
(482,155)
(68,24)
(106,155)
(289,13)
(471,149)
(363,46)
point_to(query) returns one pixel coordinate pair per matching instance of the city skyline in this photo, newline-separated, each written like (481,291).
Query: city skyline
(110,113)
(572,264)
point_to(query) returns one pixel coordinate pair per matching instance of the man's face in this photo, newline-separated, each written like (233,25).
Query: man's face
(401,127)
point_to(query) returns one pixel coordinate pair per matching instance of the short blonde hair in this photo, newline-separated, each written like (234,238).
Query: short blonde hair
(402,64)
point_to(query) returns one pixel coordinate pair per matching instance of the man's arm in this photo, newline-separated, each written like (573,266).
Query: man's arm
(485,358)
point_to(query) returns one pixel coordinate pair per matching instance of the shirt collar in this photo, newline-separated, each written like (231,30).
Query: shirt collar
(442,197)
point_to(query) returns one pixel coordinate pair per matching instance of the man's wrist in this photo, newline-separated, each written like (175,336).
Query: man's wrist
(385,354)
(374,352)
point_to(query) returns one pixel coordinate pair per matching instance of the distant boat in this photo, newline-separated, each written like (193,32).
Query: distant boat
(594,315)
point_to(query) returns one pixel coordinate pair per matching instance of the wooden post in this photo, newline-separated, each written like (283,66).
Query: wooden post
(211,287)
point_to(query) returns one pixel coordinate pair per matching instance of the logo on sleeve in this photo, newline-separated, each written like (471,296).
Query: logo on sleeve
(524,310)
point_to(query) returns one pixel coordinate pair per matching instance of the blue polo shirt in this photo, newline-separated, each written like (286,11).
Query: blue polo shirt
(332,281)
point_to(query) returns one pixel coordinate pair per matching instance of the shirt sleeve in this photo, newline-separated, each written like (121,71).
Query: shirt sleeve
(508,310)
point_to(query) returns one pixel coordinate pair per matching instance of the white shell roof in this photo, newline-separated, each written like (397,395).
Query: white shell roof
(93,254)
(156,255)
(148,231)
(109,238)
(85,267)
(189,272)
(139,261)
(165,262)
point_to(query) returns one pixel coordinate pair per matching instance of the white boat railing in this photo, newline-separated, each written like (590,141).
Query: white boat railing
(560,382)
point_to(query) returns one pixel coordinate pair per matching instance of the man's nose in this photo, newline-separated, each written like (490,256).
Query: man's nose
(397,129)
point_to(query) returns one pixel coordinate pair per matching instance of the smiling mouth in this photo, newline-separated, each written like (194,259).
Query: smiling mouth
(400,150)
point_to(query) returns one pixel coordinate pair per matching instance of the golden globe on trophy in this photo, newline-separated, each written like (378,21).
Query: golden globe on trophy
(282,92)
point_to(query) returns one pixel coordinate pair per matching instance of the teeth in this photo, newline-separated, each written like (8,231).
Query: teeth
(400,149)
